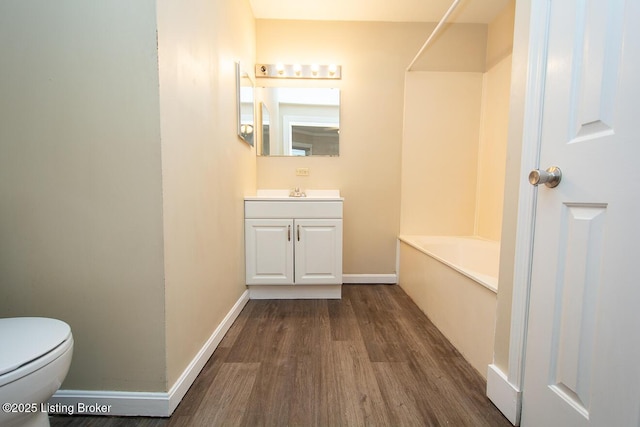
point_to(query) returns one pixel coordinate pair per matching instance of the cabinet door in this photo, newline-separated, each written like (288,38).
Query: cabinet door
(318,248)
(269,251)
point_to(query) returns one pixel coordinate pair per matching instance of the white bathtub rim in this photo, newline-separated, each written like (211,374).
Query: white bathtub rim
(489,282)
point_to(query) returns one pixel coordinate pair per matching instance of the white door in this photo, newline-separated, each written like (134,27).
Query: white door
(583,342)
(318,251)
(269,251)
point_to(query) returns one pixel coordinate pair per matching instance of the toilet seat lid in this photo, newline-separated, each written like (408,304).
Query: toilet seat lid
(25,339)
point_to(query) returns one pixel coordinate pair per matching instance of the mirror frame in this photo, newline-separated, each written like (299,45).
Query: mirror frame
(248,137)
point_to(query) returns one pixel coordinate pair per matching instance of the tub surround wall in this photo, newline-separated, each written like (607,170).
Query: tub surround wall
(122,181)
(492,150)
(440,153)
(454,151)
(374,57)
(454,141)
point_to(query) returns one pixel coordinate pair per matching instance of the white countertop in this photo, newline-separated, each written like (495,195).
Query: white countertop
(283,194)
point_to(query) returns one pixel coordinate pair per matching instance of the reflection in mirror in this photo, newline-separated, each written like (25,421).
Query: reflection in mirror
(302,121)
(266,131)
(245,99)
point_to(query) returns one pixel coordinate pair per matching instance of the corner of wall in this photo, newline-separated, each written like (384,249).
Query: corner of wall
(207,169)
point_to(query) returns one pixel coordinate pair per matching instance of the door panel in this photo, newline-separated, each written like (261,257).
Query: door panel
(583,341)
(595,67)
(576,289)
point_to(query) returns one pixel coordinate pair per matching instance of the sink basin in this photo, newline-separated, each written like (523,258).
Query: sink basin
(284,194)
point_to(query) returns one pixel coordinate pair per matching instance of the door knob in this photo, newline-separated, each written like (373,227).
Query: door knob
(551,177)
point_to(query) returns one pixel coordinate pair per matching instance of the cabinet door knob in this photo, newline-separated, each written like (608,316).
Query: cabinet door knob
(288,233)
(298,232)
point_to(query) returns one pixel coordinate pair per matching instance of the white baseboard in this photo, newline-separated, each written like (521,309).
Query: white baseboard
(110,403)
(382,279)
(504,395)
(152,404)
(181,386)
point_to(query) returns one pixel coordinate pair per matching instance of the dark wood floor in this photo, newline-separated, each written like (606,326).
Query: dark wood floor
(372,358)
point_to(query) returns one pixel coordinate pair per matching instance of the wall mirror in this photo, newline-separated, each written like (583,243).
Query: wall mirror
(245,101)
(299,121)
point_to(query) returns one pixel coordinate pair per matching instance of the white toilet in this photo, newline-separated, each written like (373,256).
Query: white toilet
(35,354)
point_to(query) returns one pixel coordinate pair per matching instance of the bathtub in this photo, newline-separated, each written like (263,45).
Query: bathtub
(454,281)
(476,258)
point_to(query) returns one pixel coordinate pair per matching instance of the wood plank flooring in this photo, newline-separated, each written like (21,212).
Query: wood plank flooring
(370,359)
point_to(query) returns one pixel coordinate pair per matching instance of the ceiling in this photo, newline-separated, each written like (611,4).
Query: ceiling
(467,11)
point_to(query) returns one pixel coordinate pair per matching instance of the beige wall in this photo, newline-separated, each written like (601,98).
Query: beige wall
(500,35)
(122,203)
(80,183)
(206,168)
(455,48)
(374,57)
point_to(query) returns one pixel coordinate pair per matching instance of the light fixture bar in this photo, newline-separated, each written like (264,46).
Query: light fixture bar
(298,71)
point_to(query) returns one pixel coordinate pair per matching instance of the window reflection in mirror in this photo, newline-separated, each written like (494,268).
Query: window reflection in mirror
(265,119)
(301,121)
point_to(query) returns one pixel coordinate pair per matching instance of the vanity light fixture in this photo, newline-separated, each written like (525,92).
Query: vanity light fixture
(298,71)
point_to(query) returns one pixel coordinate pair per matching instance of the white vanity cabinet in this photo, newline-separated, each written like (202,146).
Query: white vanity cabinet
(293,247)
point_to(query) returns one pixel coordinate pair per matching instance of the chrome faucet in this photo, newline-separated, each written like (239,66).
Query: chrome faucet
(297,193)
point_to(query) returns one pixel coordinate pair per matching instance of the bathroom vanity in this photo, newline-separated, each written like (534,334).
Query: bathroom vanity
(293,245)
